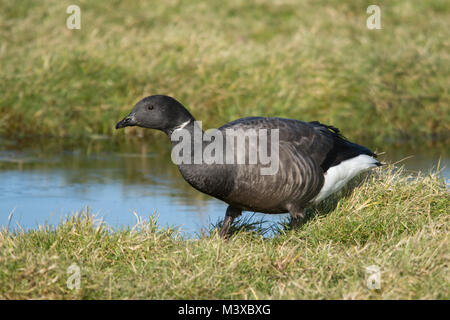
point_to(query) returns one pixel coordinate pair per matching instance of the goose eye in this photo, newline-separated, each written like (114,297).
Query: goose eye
(150,107)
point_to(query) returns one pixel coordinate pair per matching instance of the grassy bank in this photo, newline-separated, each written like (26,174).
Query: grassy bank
(312,60)
(395,221)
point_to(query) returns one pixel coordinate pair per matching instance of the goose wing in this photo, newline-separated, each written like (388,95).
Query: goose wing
(323,144)
(299,177)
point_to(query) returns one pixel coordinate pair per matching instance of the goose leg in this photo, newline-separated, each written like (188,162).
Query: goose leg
(231,213)
(298,217)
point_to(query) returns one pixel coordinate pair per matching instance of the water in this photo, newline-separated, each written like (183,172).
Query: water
(40,183)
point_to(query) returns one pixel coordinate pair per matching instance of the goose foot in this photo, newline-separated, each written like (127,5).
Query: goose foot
(298,217)
(231,213)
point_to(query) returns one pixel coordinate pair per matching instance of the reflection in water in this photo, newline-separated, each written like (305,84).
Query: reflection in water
(40,183)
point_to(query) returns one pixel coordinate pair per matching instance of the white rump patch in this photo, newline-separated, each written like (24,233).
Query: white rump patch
(337,176)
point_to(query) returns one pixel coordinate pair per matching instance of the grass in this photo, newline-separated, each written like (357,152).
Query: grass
(310,60)
(395,220)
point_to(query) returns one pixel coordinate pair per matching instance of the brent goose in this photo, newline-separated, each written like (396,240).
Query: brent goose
(315,160)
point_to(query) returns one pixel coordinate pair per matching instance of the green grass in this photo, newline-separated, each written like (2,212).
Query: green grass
(311,60)
(394,220)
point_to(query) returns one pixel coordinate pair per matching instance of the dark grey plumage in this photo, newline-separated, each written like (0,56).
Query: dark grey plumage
(307,150)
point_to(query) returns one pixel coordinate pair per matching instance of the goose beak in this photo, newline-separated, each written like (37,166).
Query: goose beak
(128,121)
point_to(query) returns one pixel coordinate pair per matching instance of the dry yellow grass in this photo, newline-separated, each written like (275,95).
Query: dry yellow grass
(396,221)
(310,60)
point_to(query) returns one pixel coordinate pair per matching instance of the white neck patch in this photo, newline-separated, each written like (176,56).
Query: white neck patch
(181,126)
